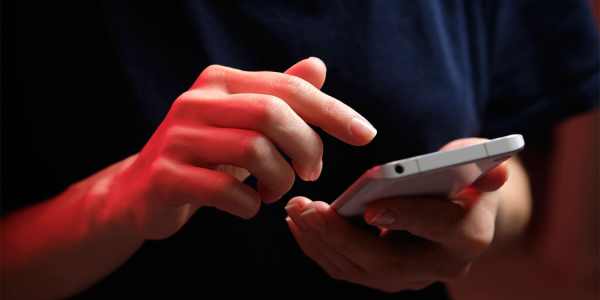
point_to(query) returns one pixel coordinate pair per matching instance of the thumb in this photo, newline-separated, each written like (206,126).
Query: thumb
(310,69)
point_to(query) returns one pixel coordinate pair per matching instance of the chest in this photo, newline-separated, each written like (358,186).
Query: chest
(411,68)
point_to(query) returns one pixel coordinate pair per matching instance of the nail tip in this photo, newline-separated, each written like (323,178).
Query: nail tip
(362,129)
(289,206)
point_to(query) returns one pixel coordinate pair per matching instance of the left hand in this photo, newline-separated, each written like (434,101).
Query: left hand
(452,234)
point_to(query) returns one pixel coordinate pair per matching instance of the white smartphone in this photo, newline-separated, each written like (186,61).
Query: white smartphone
(437,173)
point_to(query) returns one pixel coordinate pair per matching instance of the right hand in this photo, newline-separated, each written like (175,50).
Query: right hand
(229,124)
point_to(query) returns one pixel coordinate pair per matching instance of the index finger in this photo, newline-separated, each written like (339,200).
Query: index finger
(354,243)
(314,106)
(493,179)
(376,256)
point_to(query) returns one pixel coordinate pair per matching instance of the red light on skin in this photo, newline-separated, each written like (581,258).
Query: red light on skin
(467,197)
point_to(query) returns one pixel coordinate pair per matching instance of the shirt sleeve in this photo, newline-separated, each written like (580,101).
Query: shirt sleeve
(544,66)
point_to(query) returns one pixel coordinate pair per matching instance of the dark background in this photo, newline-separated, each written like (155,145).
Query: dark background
(61,84)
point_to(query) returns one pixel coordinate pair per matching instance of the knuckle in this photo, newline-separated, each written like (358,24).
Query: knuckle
(180,103)
(159,169)
(255,148)
(159,176)
(212,73)
(176,138)
(212,69)
(194,104)
(175,134)
(185,103)
(270,110)
(294,86)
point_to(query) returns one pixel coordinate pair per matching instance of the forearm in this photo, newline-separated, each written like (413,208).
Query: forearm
(553,253)
(568,235)
(59,247)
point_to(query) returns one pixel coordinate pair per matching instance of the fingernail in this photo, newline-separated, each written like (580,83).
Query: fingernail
(317,172)
(313,219)
(384,217)
(362,129)
(304,171)
(317,59)
(289,206)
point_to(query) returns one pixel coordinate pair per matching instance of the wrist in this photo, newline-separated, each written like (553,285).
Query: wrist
(111,211)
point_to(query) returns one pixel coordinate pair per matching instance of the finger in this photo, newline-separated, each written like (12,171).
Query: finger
(379,258)
(294,208)
(208,146)
(361,247)
(455,226)
(428,217)
(312,69)
(336,265)
(262,113)
(350,270)
(314,106)
(180,184)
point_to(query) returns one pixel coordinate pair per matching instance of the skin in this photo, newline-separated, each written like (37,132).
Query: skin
(453,234)
(229,124)
(554,255)
(485,243)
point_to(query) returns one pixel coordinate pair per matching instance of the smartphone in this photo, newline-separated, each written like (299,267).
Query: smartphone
(437,173)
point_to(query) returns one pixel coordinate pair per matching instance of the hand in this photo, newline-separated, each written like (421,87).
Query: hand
(229,124)
(451,233)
